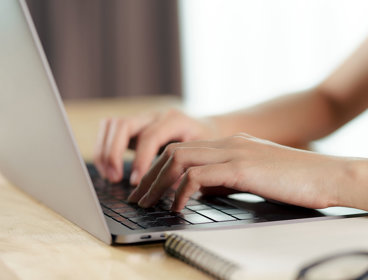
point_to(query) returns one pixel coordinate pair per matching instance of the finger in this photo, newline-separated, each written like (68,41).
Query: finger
(149,142)
(116,144)
(213,175)
(150,176)
(158,134)
(100,146)
(180,160)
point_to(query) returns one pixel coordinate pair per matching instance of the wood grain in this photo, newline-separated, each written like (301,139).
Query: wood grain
(37,243)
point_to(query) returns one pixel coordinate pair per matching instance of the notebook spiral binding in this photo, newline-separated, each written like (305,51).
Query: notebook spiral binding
(199,258)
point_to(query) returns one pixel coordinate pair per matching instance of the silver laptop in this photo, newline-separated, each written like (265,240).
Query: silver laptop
(38,154)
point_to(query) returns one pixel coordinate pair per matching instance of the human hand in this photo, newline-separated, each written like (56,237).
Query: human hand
(242,163)
(146,133)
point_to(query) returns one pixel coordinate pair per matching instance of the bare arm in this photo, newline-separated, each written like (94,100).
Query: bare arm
(292,120)
(297,119)
(248,164)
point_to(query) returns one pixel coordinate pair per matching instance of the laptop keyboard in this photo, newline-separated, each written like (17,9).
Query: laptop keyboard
(113,199)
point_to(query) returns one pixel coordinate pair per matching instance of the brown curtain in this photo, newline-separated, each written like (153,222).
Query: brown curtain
(110,48)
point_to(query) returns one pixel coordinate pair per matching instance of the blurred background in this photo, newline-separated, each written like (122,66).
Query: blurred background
(100,48)
(216,55)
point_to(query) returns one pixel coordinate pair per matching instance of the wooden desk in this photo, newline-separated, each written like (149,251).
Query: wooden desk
(36,243)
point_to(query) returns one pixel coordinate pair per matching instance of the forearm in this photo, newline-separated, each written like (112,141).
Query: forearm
(297,119)
(293,120)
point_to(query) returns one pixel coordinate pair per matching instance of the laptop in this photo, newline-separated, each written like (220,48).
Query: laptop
(38,154)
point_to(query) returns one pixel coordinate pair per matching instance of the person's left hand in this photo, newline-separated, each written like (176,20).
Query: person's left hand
(242,163)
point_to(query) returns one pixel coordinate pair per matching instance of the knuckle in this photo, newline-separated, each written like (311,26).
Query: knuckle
(176,159)
(177,155)
(147,134)
(146,141)
(170,149)
(191,174)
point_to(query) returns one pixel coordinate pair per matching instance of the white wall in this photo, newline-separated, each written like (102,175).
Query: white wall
(240,52)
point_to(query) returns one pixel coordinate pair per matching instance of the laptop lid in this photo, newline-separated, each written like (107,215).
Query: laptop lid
(37,150)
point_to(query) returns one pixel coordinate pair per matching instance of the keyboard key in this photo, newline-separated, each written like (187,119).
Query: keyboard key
(165,207)
(120,219)
(118,192)
(198,207)
(138,220)
(217,203)
(150,224)
(235,211)
(185,211)
(131,225)
(151,209)
(244,216)
(159,214)
(127,223)
(130,215)
(114,215)
(109,212)
(115,204)
(191,202)
(133,205)
(102,196)
(121,196)
(170,221)
(140,211)
(196,219)
(223,207)
(216,215)
(124,210)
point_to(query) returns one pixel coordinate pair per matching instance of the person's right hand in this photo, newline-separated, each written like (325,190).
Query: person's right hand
(146,134)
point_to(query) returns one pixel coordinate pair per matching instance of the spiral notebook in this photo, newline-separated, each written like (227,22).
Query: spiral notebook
(268,252)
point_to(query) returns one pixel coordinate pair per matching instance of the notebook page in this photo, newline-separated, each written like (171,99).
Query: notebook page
(278,251)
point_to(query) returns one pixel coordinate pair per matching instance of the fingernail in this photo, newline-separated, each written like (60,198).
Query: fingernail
(115,177)
(111,174)
(132,197)
(134,177)
(144,202)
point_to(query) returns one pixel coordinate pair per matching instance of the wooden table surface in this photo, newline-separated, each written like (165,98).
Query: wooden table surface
(37,243)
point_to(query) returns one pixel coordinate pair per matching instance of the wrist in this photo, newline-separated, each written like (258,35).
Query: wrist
(353,189)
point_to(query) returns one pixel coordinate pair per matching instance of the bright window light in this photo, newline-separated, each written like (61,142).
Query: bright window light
(240,52)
